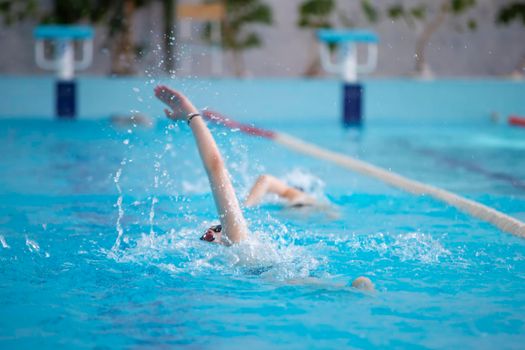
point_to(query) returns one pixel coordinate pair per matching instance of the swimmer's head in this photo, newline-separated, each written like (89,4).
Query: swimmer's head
(363,283)
(212,234)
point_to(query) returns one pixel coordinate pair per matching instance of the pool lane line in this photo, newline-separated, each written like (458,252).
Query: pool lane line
(500,220)
(470,166)
(218,118)
(516,120)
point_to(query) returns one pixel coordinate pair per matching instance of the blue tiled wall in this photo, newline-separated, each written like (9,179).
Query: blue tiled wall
(260,99)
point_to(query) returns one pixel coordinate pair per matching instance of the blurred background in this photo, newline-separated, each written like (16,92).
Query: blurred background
(269,38)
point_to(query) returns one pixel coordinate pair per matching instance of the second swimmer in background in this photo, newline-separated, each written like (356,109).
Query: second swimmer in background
(266,184)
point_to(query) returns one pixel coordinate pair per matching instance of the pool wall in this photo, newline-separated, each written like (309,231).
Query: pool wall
(258,99)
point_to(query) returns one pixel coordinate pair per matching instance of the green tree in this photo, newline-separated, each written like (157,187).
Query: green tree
(368,11)
(508,14)
(417,16)
(315,15)
(13,11)
(236,33)
(116,15)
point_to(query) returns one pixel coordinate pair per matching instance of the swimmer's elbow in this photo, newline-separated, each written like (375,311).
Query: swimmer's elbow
(215,164)
(265,178)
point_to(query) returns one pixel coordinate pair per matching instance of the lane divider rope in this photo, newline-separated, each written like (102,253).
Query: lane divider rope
(501,220)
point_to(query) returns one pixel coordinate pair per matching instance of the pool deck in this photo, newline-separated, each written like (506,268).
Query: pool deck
(258,99)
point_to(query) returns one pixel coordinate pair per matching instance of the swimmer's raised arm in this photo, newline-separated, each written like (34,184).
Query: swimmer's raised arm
(230,214)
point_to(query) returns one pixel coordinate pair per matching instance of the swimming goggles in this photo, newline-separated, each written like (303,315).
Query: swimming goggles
(208,236)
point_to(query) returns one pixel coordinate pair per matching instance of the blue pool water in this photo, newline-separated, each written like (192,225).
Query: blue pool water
(99,245)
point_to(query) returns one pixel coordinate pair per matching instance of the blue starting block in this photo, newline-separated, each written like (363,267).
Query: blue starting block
(346,65)
(63,61)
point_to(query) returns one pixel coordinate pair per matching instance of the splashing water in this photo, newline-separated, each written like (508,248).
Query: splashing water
(118,225)
(34,247)
(241,167)
(4,243)
(181,252)
(409,246)
(154,201)
(308,182)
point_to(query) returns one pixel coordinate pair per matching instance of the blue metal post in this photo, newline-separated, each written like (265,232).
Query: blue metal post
(348,67)
(352,104)
(66,105)
(63,61)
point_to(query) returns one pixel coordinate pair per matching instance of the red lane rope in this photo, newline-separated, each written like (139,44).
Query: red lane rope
(218,118)
(517,121)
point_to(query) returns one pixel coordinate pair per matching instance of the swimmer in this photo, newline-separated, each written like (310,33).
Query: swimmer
(296,197)
(265,184)
(233,228)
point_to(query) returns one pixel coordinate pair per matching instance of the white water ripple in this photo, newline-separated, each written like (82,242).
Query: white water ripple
(181,251)
(408,246)
(4,243)
(32,245)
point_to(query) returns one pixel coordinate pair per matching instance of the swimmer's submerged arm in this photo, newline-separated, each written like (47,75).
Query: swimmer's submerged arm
(230,214)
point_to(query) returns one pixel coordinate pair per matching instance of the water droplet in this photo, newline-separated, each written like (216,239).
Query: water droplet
(32,245)
(4,243)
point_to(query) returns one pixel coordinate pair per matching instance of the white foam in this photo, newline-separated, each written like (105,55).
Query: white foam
(418,246)
(180,251)
(307,181)
(404,246)
(4,243)
(154,201)
(118,204)
(32,245)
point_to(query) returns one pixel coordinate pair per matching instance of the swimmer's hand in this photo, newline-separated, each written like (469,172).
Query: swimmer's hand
(179,104)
